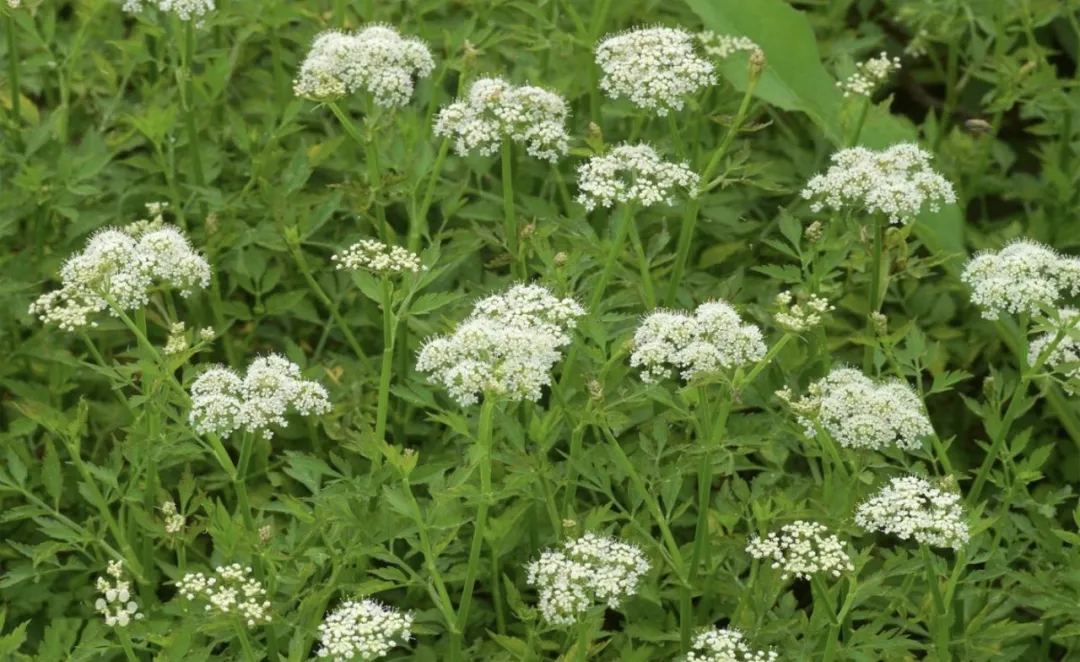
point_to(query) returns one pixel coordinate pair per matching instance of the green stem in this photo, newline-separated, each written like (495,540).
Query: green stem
(240,482)
(860,120)
(419,225)
(576,438)
(188,73)
(875,292)
(643,268)
(245,643)
(13,70)
(509,216)
(374,172)
(446,605)
(386,372)
(951,94)
(690,215)
(483,440)
(584,638)
(125,643)
(1016,404)
(941,613)
(676,136)
(622,230)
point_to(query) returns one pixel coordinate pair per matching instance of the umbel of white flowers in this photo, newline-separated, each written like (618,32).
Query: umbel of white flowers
(505,348)
(632,174)
(362,630)
(223,402)
(725,645)
(378,258)
(230,590)
(910,507)
(802,549)
(1022,278)
(121,266)
(897,182)
(656,68)
(1067,351)
(859,413)
(494,111)
(723,46)
(869,76)
(375,59)
(185,10)
(116,603)
(711,341)
(585,572)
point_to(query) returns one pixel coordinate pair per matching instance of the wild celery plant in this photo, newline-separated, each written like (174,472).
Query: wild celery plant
(384,381)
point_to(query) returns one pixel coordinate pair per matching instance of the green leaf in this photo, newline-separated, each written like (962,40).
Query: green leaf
(10,642)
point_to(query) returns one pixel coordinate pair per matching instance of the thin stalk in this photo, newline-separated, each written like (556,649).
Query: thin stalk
(13,70)
(643,267)
(509,217)
(1016,404)
(245,643)
(821,595)
(622,230)
(875,292)
(240,482)
(690,216)
(676,136)
(941,626)
(483,439)
(446,605)
(951,93)
(860,120)
(387,369)
(576,438)
(419,225)
(371,159)
(584,638)
(188,73)
(125,643)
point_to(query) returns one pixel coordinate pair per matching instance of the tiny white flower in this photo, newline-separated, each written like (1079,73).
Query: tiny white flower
(802,316)
(177,342)
(632,174)
(869,76)
(656,68)
(1022,278)
(363,630)
(206,334)
(725,645)
(910,507)
(724,46)
(116,604)
(1067,350)
(231,590)
(585,572)
(185,10)
(802,549)
(174,521)
(377,257)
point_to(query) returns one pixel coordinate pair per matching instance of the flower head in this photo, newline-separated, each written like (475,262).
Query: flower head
(725,645)
(910,507)
(802,316)
(711,341)
(1065,353)
(174,520)
(859,413)
(232,589)
(897,182)
(185,10)
(222,401)
(632,174)
(1023,277)
(656,68)
(376,59)
(585,572)
(364,630)
(116,603)
(723,46)
(494,111)
(802,549)
(379,258)
(869,75)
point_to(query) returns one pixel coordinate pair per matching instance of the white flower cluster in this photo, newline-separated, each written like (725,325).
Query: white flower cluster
(230,590)
(723,46)
(869,75)
(802,316)
(713,340)
(725,645)
(859,413)
(505,348)
(587,571)
(375,59)
(802,549)
(494,111)
(897,182)
(379,258)
(656,68)
(1067,350)
(222,401)
(116,603)
(174,521)
(1023,277)
(910,507)
(177,342)
(121,266)
(364,630)
(632,174)
(186,10)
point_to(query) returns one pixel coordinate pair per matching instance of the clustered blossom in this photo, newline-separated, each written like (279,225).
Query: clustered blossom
(712,340)
(585,572)
(801,316)
(897,182)
(375,59)
(364,630)
(120,266)
(223,402)
(869,75)
(723,46)
(632,174)
(1022,278)
(859,413)
(505,348)
(116,603)
(725,645)
(174,521)
(230,590)
(494,111)
(1067,351)
(910,507)
(186,10)
(656,68)
(377,257)
(177,342)
(802,549)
